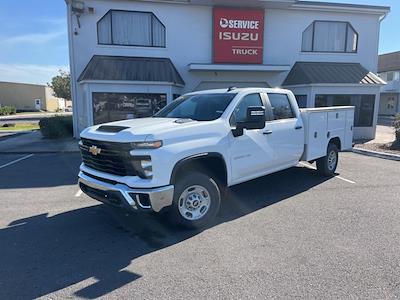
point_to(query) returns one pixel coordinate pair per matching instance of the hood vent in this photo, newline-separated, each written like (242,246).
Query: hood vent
(114,129)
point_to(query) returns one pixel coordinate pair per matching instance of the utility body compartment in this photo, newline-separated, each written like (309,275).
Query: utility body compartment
(324,124)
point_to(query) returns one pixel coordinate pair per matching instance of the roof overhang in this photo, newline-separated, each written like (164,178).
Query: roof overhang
(341,7)
(291,4)
(196,67)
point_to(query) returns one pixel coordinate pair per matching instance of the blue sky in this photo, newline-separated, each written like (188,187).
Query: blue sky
(34,45)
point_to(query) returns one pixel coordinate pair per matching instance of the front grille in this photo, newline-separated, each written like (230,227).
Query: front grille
(113,158)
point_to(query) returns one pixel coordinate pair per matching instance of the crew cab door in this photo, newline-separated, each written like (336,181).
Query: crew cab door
(250,153)
(285,130)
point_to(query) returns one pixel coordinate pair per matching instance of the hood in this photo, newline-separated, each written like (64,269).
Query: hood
(137,130)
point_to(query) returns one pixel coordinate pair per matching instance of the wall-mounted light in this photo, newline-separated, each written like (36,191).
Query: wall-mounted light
(78,8)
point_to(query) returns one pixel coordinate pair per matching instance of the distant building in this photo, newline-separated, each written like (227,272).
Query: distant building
(389,70)
(30,97)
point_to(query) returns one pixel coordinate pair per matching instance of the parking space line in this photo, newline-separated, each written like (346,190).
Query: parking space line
(15,161)
(338,177)
(78,193)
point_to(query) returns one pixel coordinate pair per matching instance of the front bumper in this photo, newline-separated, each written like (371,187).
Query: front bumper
(121,195)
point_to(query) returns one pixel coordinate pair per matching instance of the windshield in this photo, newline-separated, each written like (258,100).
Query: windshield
(200,107)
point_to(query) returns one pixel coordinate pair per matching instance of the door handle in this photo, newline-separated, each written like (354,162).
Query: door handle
(298,127)
(267,132)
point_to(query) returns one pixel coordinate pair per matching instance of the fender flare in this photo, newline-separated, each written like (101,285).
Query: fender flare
(193,158)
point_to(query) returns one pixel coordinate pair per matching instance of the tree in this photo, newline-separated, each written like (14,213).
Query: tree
(61,85)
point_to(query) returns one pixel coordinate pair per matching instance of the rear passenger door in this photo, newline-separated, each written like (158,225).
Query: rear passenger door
(285,131)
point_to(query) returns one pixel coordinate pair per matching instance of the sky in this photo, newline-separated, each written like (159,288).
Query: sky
(34,43)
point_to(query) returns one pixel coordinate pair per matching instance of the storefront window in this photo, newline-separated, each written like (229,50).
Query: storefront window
(108,107)
(364,106)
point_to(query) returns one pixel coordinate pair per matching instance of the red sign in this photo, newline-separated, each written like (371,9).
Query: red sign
(238,35)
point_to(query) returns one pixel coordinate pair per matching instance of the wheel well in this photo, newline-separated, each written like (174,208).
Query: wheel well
(336,141)
(211,164)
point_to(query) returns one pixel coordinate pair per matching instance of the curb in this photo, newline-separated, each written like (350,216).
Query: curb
(41,152)
(377,154)
(2,138)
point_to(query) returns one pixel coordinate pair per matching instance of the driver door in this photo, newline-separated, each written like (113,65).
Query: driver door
(250,152)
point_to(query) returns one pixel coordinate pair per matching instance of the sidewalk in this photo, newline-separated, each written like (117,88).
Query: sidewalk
(33,115)
(34,143)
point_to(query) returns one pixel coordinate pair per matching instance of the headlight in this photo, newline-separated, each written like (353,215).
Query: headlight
(147,145)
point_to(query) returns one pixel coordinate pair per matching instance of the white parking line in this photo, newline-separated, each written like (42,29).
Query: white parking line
(15,161)
(78,193)
(338,177)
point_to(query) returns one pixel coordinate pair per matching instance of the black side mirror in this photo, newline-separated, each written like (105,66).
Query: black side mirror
(255,120)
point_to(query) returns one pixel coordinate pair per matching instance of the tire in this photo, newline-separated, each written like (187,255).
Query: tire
(197,200)
(327,165)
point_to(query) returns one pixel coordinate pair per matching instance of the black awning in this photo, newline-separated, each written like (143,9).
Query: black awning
(330,72)
(124,68)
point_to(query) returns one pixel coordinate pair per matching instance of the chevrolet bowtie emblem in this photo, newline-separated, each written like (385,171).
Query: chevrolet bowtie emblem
(94,150)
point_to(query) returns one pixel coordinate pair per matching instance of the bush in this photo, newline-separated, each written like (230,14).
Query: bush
(56,127)
(396,125)
(7,110)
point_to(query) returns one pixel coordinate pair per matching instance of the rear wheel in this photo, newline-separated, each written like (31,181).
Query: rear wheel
(327,165)
(197,200)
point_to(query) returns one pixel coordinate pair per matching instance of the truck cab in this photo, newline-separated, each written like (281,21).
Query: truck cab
(183,158)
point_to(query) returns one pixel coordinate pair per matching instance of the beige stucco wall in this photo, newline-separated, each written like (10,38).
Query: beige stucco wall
(22,96)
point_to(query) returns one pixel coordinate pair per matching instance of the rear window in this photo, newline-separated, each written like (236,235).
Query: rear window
(281,108)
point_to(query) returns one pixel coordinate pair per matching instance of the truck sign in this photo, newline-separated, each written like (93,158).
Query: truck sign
(238,35)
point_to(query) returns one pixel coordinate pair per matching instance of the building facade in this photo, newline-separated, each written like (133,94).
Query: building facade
(389,70)
(30,97)
(130,58)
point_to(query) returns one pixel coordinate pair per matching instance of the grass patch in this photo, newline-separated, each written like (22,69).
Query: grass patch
(20,127)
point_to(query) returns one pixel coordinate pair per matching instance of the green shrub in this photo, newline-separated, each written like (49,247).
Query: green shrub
(7,110)
(56,127)
(396,125)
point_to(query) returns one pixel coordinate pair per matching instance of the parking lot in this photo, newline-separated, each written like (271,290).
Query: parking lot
(288,235)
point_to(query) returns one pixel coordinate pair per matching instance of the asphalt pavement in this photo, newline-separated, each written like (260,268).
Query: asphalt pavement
(288,235)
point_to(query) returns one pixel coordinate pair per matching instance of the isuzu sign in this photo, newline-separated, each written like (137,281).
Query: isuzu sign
(238,35)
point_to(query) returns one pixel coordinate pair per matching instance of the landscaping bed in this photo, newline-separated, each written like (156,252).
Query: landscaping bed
(19,127)
(386,148)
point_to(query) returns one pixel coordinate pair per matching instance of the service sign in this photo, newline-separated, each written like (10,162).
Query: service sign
(238,35)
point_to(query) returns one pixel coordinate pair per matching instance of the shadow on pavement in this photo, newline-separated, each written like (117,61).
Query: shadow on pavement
(43,254)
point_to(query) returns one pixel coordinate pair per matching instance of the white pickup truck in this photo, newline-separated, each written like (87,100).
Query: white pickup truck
(182,159)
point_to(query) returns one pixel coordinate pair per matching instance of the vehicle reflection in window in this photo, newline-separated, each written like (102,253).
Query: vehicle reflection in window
(108,107)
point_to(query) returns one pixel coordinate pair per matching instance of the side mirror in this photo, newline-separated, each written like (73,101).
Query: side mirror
(255,120)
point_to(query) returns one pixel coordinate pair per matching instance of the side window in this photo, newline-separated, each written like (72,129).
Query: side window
(240,112)
(281,108)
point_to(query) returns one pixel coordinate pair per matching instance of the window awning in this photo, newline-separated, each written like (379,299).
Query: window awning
(305,73)
(125,68)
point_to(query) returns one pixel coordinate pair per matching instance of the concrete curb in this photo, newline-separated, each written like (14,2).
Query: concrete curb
(10,136)
(377,154)
(41,152)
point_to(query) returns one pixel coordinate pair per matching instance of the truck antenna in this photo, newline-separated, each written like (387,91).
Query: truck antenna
(231,88)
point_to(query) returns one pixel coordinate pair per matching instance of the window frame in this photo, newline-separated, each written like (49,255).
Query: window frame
(271,117)
(348,25)
(129,45)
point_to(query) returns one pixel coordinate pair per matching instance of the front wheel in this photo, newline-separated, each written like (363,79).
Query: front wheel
(327,165)
(197,200)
